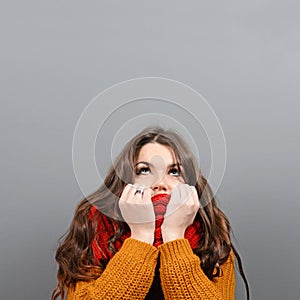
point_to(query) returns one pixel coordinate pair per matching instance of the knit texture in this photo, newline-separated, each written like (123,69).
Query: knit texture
(129,275)
(182,277)
(160,271)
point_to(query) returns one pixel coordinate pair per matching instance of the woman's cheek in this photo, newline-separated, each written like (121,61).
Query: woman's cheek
(176,181)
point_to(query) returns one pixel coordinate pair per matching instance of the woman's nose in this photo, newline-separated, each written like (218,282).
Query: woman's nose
(161,185)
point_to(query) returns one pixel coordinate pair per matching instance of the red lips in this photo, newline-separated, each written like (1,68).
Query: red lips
(159,196)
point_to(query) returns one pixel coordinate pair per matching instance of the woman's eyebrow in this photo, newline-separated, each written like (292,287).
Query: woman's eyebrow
(149,164)
(144,162)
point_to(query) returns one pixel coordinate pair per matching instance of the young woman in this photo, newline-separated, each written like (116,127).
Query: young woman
(151,231)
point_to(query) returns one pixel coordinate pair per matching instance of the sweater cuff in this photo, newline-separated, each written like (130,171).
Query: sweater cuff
(139,249)
(174,249)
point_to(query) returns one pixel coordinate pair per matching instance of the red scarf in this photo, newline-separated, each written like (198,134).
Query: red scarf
(106,228)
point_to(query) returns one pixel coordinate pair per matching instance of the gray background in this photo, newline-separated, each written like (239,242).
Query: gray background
(243,57)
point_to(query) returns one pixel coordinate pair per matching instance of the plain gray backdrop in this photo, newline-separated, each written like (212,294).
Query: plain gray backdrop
(242,56)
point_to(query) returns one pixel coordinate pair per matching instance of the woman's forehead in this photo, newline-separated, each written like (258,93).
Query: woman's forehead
(156,153)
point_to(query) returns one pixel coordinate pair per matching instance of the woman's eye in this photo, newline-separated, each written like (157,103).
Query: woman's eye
(175,172)
(143,171)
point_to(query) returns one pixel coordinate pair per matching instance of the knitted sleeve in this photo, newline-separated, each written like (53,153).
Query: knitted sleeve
(182,277)
(128,275)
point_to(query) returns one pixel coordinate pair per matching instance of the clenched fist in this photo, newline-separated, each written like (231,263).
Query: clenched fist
(181,212)
(137,211)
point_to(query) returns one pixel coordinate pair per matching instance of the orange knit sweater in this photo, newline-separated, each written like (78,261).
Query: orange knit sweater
(129,274)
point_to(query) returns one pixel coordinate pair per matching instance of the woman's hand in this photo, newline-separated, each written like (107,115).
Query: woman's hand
(137,211)
(180,213)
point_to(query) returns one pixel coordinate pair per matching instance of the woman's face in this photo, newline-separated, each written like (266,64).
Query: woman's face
(156,167)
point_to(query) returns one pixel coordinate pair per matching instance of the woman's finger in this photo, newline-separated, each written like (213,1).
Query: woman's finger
(125,192)
(137,192)
(195,197)
(146,196)
(132,191)
(185,193)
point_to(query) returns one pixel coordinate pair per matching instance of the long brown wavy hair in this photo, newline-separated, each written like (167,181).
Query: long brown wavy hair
(74,254)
